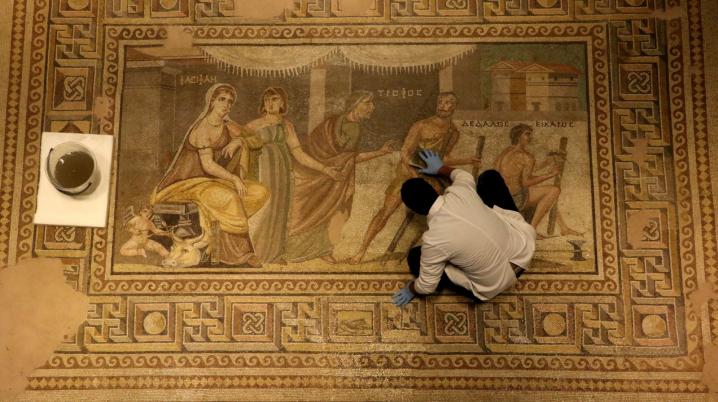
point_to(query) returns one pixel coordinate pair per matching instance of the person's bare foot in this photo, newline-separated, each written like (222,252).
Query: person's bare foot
(567,231)
(329,258)
(357,258)
(541,236)
(254,262)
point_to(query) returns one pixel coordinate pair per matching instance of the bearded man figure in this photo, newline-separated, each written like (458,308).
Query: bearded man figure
(436,133)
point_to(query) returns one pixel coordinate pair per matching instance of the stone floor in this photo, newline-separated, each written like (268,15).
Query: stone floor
(618,304)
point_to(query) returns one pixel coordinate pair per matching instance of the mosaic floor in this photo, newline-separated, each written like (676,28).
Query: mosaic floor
(279,288)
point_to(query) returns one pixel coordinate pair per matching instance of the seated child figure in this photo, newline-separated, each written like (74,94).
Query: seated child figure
(141,228)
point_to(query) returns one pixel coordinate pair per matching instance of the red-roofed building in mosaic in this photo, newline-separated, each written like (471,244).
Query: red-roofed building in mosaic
(529,86)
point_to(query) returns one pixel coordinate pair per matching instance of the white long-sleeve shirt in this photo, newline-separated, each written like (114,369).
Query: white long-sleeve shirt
(473,243)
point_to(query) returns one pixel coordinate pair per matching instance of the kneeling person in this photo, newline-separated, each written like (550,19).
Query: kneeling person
(477,241)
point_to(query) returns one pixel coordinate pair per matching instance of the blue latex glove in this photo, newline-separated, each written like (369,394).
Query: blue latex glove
(433,162)
(404,296)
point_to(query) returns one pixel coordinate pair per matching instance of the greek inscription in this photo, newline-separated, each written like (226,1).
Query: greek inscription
(554,123)
(197,79)
(485,123)
(401,93)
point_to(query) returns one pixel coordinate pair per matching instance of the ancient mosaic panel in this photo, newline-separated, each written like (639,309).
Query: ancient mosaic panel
(611,93)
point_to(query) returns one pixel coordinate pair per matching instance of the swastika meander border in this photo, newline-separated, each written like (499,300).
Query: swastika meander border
(499,336)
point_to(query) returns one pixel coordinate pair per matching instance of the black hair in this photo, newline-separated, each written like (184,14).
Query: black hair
(418,195)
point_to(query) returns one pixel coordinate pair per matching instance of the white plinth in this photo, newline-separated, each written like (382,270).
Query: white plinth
(56,208)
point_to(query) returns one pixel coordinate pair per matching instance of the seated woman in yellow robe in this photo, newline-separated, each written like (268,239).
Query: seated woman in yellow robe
(221,193)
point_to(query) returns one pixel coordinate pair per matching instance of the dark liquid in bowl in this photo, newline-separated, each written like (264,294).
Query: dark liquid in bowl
(74,169)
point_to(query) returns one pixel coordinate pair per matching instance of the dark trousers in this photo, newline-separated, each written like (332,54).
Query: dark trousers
(414,260)
(492,190)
